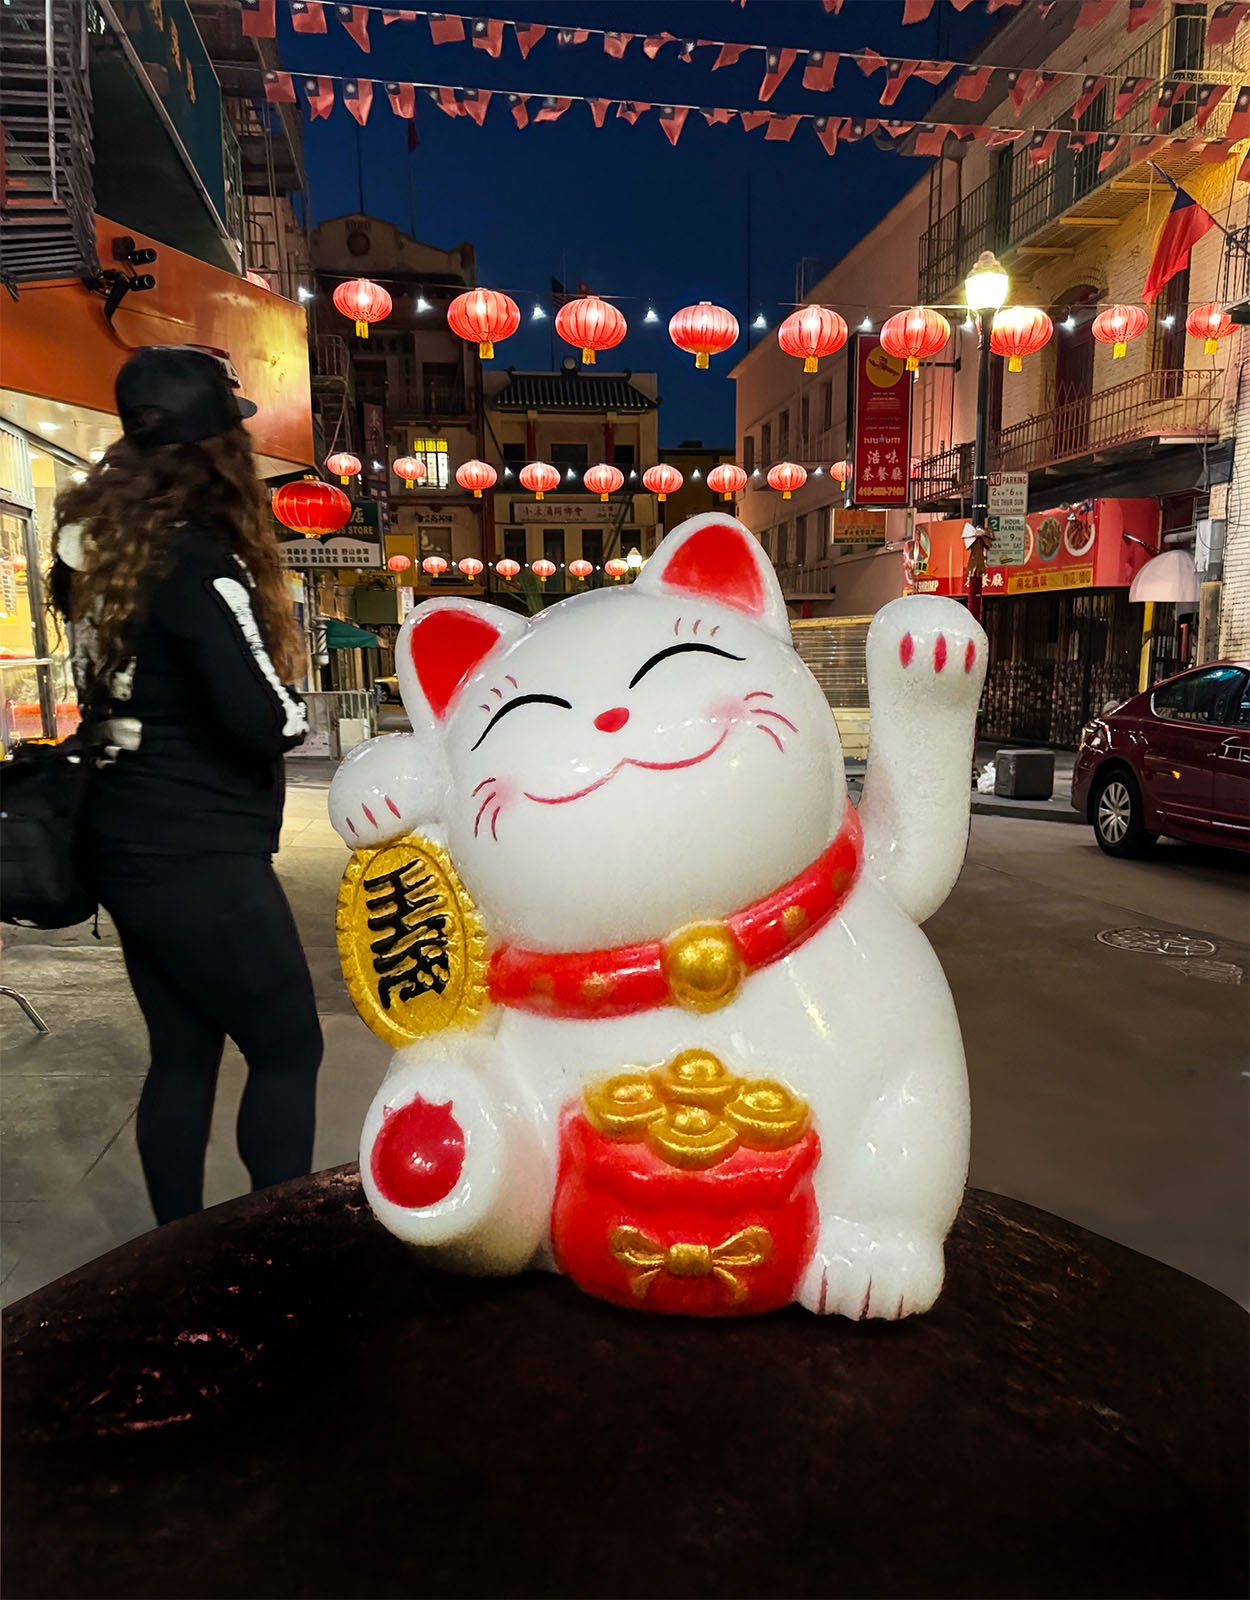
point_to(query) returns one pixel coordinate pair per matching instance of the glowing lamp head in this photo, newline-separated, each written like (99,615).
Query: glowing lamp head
(362,301)
(985,287)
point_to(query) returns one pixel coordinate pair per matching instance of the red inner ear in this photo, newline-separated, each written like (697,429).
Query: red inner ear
(446,647)
(718,562)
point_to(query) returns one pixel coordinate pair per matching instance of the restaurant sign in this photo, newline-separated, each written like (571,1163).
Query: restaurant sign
(881,462)
(858,527)
(565,513)
(331,553)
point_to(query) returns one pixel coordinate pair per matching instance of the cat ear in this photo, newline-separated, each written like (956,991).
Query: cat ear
(440,646)
(717,558)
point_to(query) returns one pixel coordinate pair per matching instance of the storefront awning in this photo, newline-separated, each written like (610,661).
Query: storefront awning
(345,636)
(1169,577)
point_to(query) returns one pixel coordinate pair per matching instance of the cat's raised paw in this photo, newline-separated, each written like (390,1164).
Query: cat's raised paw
(930,644)
(860,1272)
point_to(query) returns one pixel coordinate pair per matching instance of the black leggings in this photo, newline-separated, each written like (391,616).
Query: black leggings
(213,951)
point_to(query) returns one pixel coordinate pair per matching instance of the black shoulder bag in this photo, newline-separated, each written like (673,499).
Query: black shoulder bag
(43,789)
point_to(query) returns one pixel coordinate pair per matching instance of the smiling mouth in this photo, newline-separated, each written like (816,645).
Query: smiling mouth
(648,766)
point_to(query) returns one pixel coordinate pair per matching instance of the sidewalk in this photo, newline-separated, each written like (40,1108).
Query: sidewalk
(1057,809)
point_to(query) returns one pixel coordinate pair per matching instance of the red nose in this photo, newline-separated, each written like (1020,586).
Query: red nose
(612,721)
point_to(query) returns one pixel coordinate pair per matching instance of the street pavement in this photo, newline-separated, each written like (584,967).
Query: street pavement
(1108,1083)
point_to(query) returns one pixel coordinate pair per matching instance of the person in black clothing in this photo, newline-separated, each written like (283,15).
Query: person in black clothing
(167,572)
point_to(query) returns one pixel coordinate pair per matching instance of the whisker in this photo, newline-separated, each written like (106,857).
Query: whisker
(763,711)
(483,707)
(510,679)
(494,819)
(770,734)
(477,821)
(484,782)
(760,694)
(714,631)
(498,692)
(697,621)
(676,625)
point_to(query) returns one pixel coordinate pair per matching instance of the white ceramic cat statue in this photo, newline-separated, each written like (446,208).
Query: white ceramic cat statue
(717,1067)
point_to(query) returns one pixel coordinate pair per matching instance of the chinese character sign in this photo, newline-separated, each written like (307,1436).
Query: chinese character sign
(882,453)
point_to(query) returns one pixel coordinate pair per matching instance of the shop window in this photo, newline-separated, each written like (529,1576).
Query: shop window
(442,381)
(592,545)
(748,452)
(514,544)
(433,452)
(553,545)
(1212,697)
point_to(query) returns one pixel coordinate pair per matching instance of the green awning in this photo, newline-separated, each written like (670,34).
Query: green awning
(346,636)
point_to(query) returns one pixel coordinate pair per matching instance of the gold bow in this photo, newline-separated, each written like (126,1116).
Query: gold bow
(747,1248)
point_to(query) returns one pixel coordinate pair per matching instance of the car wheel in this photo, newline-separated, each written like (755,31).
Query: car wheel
(1117,815)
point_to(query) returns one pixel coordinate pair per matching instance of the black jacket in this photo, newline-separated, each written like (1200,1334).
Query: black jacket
(204,717)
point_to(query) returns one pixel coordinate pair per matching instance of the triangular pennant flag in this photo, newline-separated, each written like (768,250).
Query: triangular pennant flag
(615,44)
(571,36)
(729,53)
(688,48)
(390,14)
(1143,149)
(279,88)
(1209,96)
(991,6)
(930,137)
(891,132)
(1044,83)
(1112,146)
(1168,91)
(488,35)
(856,128)
(527,35)
(355,20)
(1000,138)
(631,110)
(781,127)
(308,16)
(1225,20)
(445,99)
(973,82)
(654,43)
(1140,12)
(320,95)
(403,98)
(358,98)
(776,64)
(714,116)
(1084,139)
(673,120)
(1128,94)
(821,69)
(259,19)
(827,131)
(1042,146)
(752,119)
(553,107)
(934,71)
(833,6)
(870,61)
(1243,171)
(1020,82)
(1239,121)
(1093,12)
(520,109)
(1213,150)
(475,102)
(896,75)
(598,110)
(445,29)
(916,11)
(1091,88)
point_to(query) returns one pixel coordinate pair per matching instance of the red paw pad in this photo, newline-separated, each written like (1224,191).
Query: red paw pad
(939,652)
(906,649)
(418,1155)
(970,656)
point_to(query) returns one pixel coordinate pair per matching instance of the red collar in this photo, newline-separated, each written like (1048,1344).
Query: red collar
(700,966)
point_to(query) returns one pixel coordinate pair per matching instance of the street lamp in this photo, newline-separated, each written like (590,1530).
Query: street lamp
(986,291)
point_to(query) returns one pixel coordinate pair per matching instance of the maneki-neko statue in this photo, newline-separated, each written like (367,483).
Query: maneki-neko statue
(665,1019)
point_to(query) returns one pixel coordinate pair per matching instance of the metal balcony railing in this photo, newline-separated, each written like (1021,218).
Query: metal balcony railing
(1172,401)
(809,580)
(1020,199)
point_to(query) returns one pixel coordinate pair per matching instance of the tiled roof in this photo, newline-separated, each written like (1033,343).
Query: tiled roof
(570,391)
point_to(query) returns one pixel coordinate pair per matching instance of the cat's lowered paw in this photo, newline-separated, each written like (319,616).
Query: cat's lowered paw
(860,1272)
(925,645)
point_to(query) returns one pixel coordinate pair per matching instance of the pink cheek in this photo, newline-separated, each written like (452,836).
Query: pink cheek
(726,711)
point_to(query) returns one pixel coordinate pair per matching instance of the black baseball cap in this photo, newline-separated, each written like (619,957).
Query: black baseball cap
(179,394)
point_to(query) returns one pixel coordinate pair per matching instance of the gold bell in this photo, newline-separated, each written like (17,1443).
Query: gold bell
(703,966)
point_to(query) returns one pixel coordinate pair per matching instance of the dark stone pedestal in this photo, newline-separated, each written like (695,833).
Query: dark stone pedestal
(274,1399)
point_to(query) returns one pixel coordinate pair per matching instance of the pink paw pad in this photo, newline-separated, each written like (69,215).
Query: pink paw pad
(939,652)
(373,821)
(418,1155)
(970,655)
(391,806)
(906,649)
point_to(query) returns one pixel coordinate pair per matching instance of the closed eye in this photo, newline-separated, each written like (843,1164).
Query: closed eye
(678,650)
(522,700)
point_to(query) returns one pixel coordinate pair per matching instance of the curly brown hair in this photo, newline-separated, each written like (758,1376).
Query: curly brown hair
(129,509)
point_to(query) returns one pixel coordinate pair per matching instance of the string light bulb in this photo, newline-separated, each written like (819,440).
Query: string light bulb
(422,303)
(304,294)
(1069,323)
(652,315)
(1169,321)
(866,325)
(538,314)
(759,321)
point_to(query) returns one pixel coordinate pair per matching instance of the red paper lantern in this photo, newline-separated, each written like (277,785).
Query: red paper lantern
(470,566)
(410,469)
(1117,325)
(434,566)
(543,569)
(604,480)
(841,470)
(507,568)
(399,563)
(483,317)
(591,324)
(539,476)
(581,569)
(703,330)
(259,279)
(1019,331)
(812,332)
(787,476)
(662,480)
(916,334)
(727,480)
(311,507)
(476,475)
(343,465)
(363,301)
(616,568)
(1210,323)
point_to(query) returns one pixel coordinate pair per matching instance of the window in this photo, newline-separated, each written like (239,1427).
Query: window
(569,458)
(801,553)
(514,544)
(592,545)
(805,427)
(514,456)
(783,435)
(443,383)
(433,452)
(1205,697)
(624,457)
(1168,349)
(553,545)
(766,445)
(748,453)
(826,404)
(783,544)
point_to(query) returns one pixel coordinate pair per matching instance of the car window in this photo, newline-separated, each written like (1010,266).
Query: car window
(1241,704)
(1200,697)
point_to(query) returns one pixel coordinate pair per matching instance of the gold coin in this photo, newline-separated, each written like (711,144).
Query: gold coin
(623,1105)
(696,1078)
(410,941)
(692,1137)
(767,1114)
(703,966)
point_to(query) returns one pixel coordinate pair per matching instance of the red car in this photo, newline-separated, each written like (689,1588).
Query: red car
(1175,760)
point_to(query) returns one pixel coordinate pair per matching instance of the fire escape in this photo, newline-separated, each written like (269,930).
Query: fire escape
(47,227)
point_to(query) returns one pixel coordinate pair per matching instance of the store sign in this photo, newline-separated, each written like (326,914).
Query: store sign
(882,449)
(570,513)
(375,442)
(333,552)
(1035,582)
(365,522)
(858,527)
(1008,507)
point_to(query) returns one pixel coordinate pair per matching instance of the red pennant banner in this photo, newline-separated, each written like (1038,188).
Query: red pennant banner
(527,35)
(445,29)
(1169,89)
(777,64)
(673,120)
(1141,11)
(1225,20)
(355,20)
(631,110)
(1143,149)
(915,11)
(833,6)
(654,43)
(1214,150)
(474,103)
(821,70)
(1091,88)
(973,82)
(572,36)
(1239,122)
(896,76)
(870,61)
(320,95)
(1020,85)
(1042,146)
(857,128)
(519,104)
(616,44)
(259,19)
(403,98)
(488,35)
(729,53)
(753,119)
(1209,96)
(1083,141)
(934,71)
(552,109)
(827,131)
(999,138)
(445,100)
(1093,12)
(358,98)
(1129,93)
(781,127)
(930,137)
(991,6)
(308,16)
(715,116)
(1046,81)
(1111,149)
(389,16)
(961,5)
(279,88)
(598,110)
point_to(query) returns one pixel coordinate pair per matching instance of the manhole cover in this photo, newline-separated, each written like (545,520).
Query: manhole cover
(1157,942)
(1212,971)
